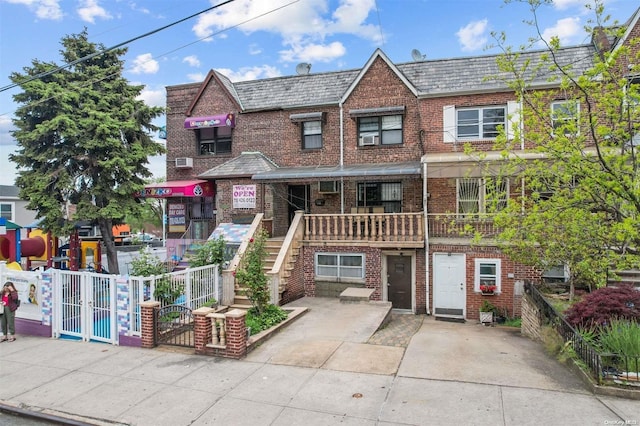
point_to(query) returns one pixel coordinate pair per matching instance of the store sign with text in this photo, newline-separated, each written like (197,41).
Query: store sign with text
(177,217)
(244,196)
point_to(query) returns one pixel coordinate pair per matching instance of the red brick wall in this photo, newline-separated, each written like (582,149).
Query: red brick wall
(506,299)
(373,266)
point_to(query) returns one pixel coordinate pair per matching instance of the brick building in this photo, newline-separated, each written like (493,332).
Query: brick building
(375,159)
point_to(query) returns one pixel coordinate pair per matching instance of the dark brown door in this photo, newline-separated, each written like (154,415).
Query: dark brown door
(399,281)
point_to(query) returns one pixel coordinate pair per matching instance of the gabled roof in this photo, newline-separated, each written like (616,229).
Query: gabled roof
(377,54)
(630,24)
(9,191)
(244,165)
(429,78)
(222,81)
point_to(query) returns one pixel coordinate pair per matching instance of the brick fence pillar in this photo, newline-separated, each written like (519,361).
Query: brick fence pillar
(236,333)
(147,323)
(201,328)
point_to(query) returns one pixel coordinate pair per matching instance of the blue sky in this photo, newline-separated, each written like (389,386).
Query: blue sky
(249,39)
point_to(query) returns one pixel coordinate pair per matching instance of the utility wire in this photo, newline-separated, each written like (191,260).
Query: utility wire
(85,84)
(86,58)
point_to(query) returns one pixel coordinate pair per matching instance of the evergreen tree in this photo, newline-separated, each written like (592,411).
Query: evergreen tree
(83,141)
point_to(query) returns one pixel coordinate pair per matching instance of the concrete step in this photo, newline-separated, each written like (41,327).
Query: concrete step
(356,295)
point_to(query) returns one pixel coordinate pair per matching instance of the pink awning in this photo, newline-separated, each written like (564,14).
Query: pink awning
(178,188)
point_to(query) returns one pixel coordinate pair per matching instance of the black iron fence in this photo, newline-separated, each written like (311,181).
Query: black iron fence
(604,367)
(582,348)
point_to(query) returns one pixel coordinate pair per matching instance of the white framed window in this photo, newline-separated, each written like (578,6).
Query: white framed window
(487,275)
(564,115)
(480,123)
(340,265)
(311,134)
(7,211)
(481,195)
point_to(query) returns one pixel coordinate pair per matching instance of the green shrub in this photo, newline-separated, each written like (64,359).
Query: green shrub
(270,316)
(146,265)
(209,253)
(250,274)
(620,337)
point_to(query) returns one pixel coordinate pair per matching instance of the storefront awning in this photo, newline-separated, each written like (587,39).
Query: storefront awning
(178,188)
(221,120)
(329,172)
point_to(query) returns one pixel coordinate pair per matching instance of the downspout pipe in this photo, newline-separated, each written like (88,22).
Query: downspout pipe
(425,196)
(341,157)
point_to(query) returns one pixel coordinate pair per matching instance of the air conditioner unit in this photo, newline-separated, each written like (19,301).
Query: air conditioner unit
(328,187)
(369,140)
(184,163)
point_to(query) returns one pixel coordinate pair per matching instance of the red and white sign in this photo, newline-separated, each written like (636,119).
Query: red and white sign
(244,196)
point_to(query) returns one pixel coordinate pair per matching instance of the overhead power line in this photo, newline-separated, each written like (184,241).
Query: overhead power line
(86,58)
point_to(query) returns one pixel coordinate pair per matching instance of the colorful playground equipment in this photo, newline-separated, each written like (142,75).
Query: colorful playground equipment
(40,246)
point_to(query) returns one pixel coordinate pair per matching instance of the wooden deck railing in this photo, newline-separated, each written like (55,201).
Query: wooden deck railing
(365,227)
(451,225)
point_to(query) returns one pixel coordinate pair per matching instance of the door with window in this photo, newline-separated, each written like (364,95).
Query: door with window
(399,281)
(449,285)
(299,197)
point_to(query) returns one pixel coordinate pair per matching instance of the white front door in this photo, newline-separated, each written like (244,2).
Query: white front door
(449,285)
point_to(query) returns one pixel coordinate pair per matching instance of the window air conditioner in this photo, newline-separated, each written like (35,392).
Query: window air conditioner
(328,187)
(184,163)
(369,140)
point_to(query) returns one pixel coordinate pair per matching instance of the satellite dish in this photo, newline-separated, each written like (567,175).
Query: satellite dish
(417,56)
(303,68)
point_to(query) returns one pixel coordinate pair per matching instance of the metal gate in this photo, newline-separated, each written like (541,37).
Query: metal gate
(174,326)
(84,306)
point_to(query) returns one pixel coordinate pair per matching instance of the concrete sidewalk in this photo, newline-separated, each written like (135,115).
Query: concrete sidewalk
(318,371)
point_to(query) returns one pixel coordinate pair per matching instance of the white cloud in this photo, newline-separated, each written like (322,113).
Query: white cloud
(473,36)
(566,4)
(313,52)
(153,97)
(192,60)
(250,73)
(565,29)
(5,127)
(197,77)
(44,9)
(254,49)
(301,24)
(145,64)
(90,10)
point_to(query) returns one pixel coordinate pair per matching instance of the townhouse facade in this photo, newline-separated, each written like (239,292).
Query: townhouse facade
(374,162)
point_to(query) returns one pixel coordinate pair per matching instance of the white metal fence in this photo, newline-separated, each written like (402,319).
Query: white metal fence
(97,307)
(193,288)
(84,306)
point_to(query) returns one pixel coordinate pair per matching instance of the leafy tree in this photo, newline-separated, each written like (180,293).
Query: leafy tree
(82,140)
(150,213)
(579,165)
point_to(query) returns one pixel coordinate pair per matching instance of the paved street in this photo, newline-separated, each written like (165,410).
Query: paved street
(325,368)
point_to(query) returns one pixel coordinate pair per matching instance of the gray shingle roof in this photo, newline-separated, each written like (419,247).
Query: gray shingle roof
(438,77)
(244,165)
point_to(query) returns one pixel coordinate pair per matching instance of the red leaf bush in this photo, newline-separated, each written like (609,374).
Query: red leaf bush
(607,303)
